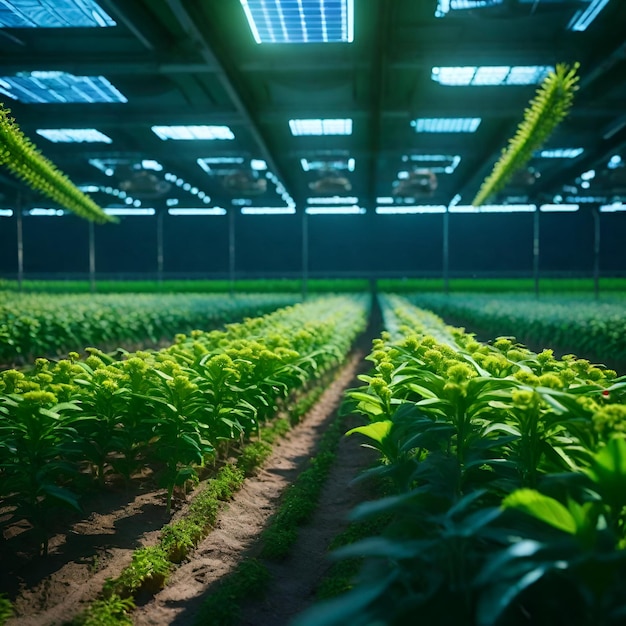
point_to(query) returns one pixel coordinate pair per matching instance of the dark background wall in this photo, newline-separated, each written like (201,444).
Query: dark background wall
(349,244)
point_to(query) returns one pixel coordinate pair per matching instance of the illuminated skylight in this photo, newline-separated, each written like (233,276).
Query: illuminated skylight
(333,200)
(437,163)
(300,21)
(561,153)
(445,6)
(321,127)
(198,211)
(555,208)
(384,200)
(491,75)
(58,87)
(612,208)
(45,212)
(52,14)
(584,17)
(278,210)
(73,135)
(314,165)
(410,210)
(335,210)
(151,164)
(446,124)
(258,165)
(193,133)
(125,211)
(493,208)
(6,212)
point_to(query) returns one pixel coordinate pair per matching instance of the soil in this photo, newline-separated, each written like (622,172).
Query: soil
(52,590)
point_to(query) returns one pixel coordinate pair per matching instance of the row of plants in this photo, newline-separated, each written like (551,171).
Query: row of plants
(21,157)
(41,324)
(280,285)
(315,285)
(66,426)
(595,329)
(508,478)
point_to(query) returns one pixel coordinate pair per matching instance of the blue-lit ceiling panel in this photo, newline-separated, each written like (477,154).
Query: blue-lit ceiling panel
(52,14)
(58,87)
(300,21)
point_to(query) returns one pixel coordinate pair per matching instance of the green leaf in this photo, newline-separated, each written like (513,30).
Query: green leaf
(377,431)
(541,507)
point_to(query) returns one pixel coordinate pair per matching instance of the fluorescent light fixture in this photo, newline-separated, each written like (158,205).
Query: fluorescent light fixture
(338,164)
(507,208)
(613,208)
(410,210)
(6,212)
(582,19)
(258,164)
(300,21)
(333,200)
(437,163)
(198,211)
(561,153)
(73,135)
(256,210)
(463,208)
(125,211)
(193,133)
(384,200)
(58,87)
(335,210)
(554,208)
(221,160)
(490,75)
(151,164)
(614,162)
(445,6)
(321,127)
(241,202)
(89,188)
(45,212)
(588,175)
(52,14)
(446,124)
(172,202)
(585,199)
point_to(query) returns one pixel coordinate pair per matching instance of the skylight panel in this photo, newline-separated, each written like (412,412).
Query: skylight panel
(490,75)
(193,133)
(128,211)
(52,14)
(556,208)
(300,21)
(410,210)
(278,210)
(40,212)
(309,165)
(73,135)
(333,200)
(198,211)
(446,124)
(437,163)
(445,6)
(6,212)
(321,127)
(58,87)
(561,153)
(335,210)
(582,19)
(612,208)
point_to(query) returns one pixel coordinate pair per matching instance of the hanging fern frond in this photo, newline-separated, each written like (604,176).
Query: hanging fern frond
(21,157)
(545,111)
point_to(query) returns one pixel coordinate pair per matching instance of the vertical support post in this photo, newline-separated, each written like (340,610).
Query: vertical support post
(92,258)
(159,234)
(231,249)
(20,242)
(305,254)
(445,252)
(536,250)
(596,251)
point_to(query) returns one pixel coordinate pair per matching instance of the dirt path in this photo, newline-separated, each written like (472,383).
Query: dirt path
(241,523)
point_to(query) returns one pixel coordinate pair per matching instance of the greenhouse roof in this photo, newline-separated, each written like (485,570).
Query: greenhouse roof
(265,106)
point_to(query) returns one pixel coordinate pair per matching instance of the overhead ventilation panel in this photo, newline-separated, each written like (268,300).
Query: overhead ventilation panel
(300,21)
(52,14)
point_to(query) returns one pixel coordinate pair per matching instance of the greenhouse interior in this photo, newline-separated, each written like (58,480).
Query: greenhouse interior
(312,311)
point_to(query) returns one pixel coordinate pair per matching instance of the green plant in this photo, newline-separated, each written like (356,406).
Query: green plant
(547,109)
(112,611)
(21,156)
(6,609)
(148,572)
